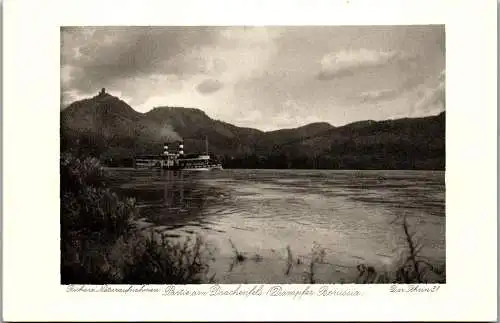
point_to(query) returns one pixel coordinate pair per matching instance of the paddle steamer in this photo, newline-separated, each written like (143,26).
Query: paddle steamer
(177,160)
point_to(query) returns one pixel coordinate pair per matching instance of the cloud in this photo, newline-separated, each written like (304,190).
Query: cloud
(407,78)
(242,53)
(379,95)
(431,100)
(346,63)
(209,86)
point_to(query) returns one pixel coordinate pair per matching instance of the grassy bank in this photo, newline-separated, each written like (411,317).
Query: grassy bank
(100,244)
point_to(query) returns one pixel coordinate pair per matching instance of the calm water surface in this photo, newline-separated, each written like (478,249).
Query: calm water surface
(350,214)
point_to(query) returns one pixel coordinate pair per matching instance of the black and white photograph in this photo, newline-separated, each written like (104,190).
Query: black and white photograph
(252,154)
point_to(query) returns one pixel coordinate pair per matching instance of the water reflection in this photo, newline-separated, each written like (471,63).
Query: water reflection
(173,191)
(172,199)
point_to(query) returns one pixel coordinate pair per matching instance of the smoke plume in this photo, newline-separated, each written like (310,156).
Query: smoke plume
(167,133)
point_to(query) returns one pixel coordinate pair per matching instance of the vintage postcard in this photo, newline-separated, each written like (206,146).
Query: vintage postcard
(202,162)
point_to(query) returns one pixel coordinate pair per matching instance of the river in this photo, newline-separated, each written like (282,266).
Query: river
(352,216)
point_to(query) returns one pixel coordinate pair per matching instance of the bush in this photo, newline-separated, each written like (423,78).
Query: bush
(159,261)
(99,244)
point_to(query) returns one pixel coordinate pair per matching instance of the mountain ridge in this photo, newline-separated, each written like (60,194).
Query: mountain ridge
(107,127)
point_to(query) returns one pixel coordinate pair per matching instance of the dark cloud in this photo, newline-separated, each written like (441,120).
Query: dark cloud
(209,86)
(106,56)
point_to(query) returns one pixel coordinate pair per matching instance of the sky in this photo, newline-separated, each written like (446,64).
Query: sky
(262,77)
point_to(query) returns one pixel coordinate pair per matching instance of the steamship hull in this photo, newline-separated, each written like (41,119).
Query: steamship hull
(160,164)
(202,166)
(180,168)
(195,169)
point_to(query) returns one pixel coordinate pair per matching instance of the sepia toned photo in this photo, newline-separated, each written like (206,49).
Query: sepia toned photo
(252,154)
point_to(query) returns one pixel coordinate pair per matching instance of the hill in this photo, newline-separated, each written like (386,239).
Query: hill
(193,125)
(417,143)
(108,128)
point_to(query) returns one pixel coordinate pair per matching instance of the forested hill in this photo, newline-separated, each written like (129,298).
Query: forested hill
(108,128)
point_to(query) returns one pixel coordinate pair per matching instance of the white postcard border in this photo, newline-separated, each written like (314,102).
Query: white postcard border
(31,289)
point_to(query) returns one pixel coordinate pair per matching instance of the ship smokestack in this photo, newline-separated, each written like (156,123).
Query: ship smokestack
(181,149)
(165,149)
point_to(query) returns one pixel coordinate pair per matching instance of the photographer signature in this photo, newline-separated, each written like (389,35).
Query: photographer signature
(413,289)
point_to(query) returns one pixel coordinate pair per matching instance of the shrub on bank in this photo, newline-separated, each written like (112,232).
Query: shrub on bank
(99,244)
